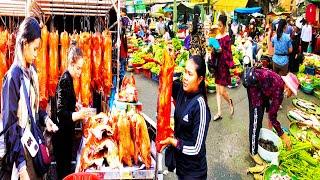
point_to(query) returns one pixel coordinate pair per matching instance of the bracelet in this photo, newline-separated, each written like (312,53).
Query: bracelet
(46,120)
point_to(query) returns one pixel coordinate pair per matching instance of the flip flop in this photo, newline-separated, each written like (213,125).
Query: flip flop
(231,102)
(216,118)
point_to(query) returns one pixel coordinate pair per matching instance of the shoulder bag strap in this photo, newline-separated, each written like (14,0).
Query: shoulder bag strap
(27,99)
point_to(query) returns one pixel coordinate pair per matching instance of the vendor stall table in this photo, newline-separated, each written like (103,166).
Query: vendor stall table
(135,172)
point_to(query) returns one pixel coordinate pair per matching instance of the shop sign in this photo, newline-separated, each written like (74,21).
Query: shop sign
(129,2)
(130,9)
(141,8)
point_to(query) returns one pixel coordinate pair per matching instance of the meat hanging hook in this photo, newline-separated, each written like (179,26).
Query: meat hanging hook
(52,19)
(73,16)
(64,16)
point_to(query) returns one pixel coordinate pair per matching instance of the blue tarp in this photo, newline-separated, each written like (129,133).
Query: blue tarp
(167,10)
(248,10)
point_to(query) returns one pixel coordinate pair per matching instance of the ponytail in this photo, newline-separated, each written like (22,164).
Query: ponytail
(203,90)
(282,23)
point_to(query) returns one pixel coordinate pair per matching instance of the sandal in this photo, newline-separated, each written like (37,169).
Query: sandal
(232,107)
(217,117)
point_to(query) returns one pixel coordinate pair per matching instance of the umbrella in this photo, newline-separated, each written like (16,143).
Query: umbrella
(257,14)
(167,9)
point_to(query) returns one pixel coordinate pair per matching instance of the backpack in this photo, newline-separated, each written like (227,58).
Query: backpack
(249,78)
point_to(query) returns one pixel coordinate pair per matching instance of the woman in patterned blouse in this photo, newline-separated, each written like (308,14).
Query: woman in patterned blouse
(197,39)
(225,62)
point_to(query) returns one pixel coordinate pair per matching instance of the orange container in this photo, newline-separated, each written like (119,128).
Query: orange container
(82,176)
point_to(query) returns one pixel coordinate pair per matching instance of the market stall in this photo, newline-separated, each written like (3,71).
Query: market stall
(119,144)
(309,75)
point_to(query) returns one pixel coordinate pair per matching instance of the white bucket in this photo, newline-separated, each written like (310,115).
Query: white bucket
(267,134)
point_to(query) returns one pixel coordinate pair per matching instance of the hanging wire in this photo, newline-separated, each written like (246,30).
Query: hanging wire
(52,19)
(73,16)
(64,16)
(88,19)
(5,22)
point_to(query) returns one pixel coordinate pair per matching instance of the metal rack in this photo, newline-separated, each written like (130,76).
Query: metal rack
(50,8)
(58,7)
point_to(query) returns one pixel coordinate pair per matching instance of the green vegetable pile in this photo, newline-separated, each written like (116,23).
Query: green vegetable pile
(158,52)
(176,44)
(149,65)
(178,69)
(299,161)
(236,55)
(155,69)
(182,58)
(137,58)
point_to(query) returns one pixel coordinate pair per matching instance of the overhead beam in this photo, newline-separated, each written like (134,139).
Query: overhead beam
(76,1)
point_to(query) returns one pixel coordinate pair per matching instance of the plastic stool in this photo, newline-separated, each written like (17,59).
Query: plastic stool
(82,176)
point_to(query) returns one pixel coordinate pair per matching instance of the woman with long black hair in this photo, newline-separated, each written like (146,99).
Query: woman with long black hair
(222,72)
(282,47)
(197,39)
(192,117)
(21,90)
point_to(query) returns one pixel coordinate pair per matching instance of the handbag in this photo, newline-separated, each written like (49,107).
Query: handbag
(213,61)
(42,160)
(309,49)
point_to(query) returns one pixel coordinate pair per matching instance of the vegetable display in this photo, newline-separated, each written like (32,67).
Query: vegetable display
(298,161)
(176,44)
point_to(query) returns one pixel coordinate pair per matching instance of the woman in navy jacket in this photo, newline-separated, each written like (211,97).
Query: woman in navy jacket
(192,117)
(14,108)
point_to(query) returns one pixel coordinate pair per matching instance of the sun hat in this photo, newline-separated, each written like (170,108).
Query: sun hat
(292,82)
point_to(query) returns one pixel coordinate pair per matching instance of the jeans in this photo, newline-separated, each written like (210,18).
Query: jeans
(256,117)
(123,64)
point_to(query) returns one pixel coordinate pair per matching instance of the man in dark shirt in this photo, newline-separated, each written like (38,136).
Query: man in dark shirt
(169,25)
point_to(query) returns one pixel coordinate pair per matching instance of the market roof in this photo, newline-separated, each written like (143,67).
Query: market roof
(248,10)
(228,5)
(58,7)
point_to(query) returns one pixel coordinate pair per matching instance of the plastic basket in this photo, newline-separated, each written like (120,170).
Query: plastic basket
(155,77)
(147,73)
(310,70)
(82,176)
(137,70)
